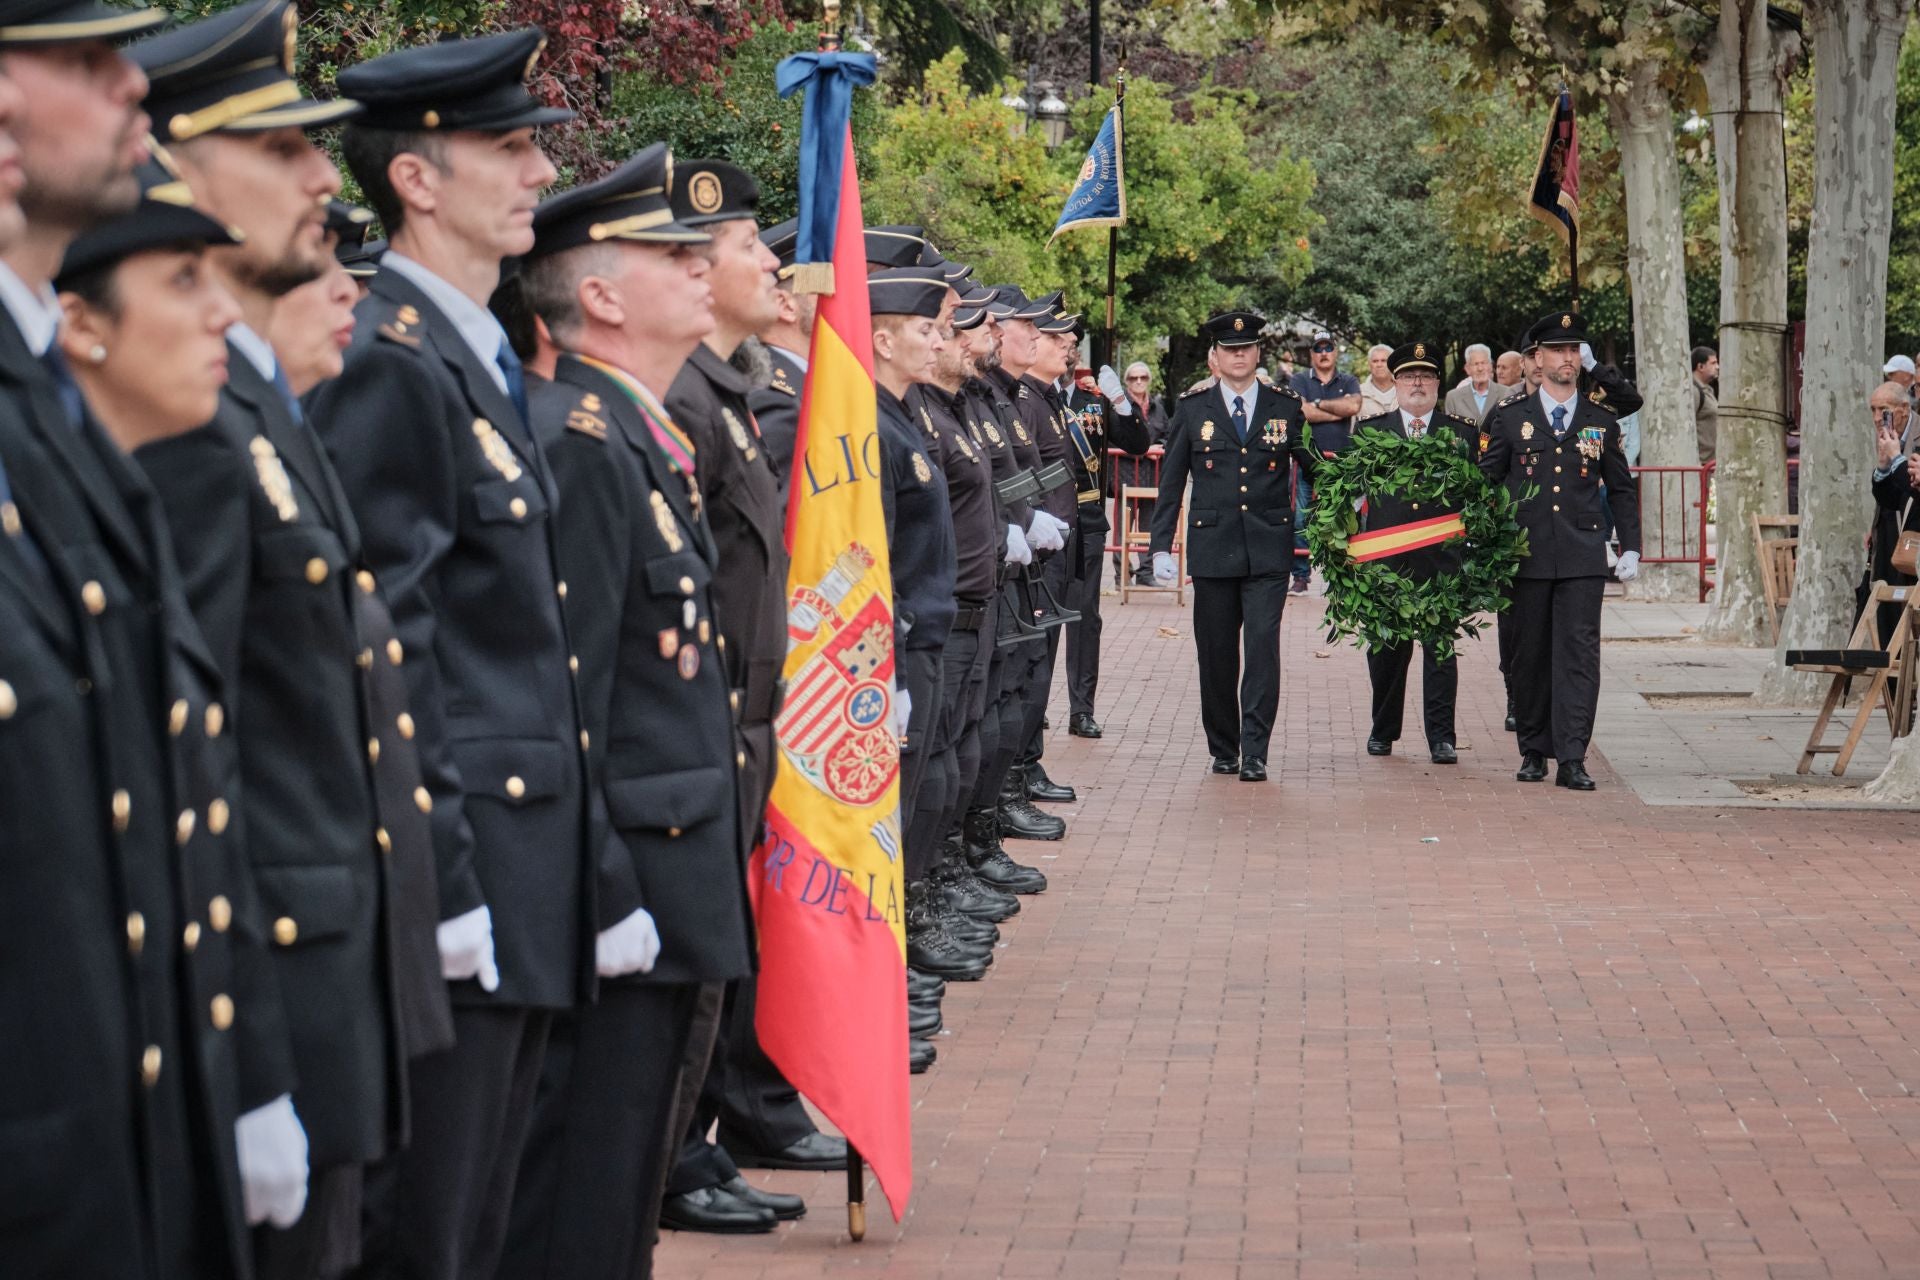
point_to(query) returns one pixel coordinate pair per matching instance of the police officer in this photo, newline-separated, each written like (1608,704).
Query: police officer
(1566,446)
(1416,378)
(428,430)
(1236,440)
(788,341)
(761,1117)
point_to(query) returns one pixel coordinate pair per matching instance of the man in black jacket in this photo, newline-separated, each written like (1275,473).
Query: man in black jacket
(1236,438)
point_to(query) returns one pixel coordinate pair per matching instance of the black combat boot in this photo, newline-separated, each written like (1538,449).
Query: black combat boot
(990,862)
(931,949)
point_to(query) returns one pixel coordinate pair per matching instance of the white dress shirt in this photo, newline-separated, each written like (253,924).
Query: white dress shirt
(477,325)
(1251,395)
(36,315)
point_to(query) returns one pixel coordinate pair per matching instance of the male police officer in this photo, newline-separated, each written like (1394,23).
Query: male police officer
(1566,447)
(1416,380)
(1237,440)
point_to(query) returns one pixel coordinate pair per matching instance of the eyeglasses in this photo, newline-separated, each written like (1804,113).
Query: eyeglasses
(1322,346)
(1139,377)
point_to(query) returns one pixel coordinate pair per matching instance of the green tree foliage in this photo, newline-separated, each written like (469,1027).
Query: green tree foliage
(1201,215)
(1903,264)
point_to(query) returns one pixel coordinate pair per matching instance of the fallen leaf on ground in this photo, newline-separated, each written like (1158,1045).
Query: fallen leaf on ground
(1323,653)
(1170,632)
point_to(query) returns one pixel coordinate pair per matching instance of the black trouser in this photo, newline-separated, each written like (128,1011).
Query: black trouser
(325,1242)
(1439,683)
(744,1091)
(931,820)
(1030,743)
(439,1210)
(986,783)
(1504,629)
(588,1201)
(1556,663)
(923,781)
(1083,637)
(1231,614)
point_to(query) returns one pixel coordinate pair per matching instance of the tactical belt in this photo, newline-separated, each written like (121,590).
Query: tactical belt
(971,615)
(760,700)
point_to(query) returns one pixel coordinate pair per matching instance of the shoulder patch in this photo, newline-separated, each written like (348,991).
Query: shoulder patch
(587,423)
(1022,392)
(781,383)
(397,331)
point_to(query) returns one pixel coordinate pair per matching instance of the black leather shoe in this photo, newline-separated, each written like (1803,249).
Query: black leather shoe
(1252,770)
(715,1211)
(1443,753)
(1019,820)
(923,1020)
(784,1208)
(815,1153)
(1513,726)
(1299,587)
(1375,747)
(1041,787)
(1532,768)
(1226,764)
(1082,725)
(920,1055)
(999,870)
(924,986)
(1572,774)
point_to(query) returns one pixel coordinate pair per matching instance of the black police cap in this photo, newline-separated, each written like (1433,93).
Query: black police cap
(975,305)
(164,218)
(631,203)
(1411,356)
(478,85)
(231,72)
(707,191)
(906,291)
(895,247)
(1235,328)
(362,261)
(783,241)
(25,23)
(1007,299)
(1068,323)
(1032,309)
(350,225)
(1561,329)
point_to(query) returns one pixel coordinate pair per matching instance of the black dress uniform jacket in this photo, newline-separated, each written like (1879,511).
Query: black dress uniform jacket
(776,407)
(1103,429)
(1385,510)
(1240,522)
(270,555)
(919,529)
(653,689)
(455,513)
(141,1011)
(1565,523)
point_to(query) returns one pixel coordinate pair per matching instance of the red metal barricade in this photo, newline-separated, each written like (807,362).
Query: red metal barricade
(1673,518)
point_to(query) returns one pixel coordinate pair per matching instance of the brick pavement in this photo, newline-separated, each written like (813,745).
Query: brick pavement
(1269,1031)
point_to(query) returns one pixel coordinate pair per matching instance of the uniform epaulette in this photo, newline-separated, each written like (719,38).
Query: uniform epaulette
(780,383)
(1378,417)
(585,417)
(1200,390)
(1022,391)
(1598,396)
(400,326)
(1285,390)
(1515,398)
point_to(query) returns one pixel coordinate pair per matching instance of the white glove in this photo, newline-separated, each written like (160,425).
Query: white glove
(1042,534)
(1018,552)
(1586,357)
(466,948)
(1163,571)
(902,713)
(272,1147)
(1629,567)
(628,947)
(1110,387)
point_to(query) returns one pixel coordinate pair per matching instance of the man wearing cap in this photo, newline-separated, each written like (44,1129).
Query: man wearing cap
(1565,447)
(788,341)
(270,554)
(428,430)
(1237,440)
(1416,381)
(1330,401)
(171,1066)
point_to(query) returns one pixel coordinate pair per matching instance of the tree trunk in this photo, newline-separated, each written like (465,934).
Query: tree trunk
(1745,72)
(1641,116)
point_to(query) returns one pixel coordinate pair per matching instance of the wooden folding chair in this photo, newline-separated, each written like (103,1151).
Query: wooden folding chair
(1778,557)
(1134,537)
(1865,655)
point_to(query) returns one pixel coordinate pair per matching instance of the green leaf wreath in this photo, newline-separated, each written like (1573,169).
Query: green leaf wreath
(1372,601)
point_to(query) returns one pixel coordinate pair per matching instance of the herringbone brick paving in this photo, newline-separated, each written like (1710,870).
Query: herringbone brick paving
(1273,1031)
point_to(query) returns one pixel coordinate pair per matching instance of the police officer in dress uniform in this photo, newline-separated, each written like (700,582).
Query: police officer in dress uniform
(428,431)
(788,342)
(1565,445)
(1416,378)
(270,554)
(762,1120)
(622,290)
(1235,439)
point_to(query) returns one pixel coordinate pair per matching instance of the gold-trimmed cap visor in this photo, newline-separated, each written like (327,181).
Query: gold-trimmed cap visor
(629,204)
(24,23)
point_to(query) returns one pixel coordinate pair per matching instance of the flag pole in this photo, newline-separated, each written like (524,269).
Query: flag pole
(1113,233)
(1573,265)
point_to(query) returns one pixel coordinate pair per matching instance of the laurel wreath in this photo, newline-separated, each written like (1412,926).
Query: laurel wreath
(1372,601)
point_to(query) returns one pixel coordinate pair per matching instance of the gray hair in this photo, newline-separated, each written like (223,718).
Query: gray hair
(1141,365)
(1478,349)
(1379,347)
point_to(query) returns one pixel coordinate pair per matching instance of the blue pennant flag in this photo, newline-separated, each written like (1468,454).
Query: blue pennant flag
(1099,196)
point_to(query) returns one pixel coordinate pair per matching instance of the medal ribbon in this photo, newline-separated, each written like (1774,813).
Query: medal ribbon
(674,442)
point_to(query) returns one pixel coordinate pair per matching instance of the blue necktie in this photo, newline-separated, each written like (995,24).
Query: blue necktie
(70,399)
(1559,421)
(516,381)
(285,389)
(1240,418)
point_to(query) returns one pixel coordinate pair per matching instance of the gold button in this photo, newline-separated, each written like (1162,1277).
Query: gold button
(94,597)
(561,590)
(136,932)
(1556,471)
(373,751)
(405,722)
(190,936)
(733,700)
(220,1013)
(1416,506)
(365,579)
(431,120)
(584,740)
(394,652)
(516,787)
(1243,506)
(424,799)
(1556,488)
(673,833)
(216,719)
(122,810)
(1243,488)
(183,826)
(10,519)
(573,664)
(519,508)
(217,816)
(740,759)
(1556,506)
(177,717)
(381,838)
(150,1066)
(720,642)
(316,571)
(286,930)
(9,703)
(364,659)
(686,586)
(220,913)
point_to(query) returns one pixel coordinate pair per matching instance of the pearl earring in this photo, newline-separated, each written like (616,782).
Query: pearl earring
(98,354)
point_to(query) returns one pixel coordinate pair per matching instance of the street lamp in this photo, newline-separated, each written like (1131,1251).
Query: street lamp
(1017,103)
(1052,115)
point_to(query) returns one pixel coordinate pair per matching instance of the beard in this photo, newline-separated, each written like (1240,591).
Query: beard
(281,276)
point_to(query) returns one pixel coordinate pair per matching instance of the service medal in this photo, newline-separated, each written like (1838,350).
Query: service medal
(689,662)
(496,449)
(739,434)
(273,479)
(1526,431)
(663,519)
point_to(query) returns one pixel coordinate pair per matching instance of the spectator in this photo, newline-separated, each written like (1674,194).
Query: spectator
(1899,370)
(1471,400)
(1509,370)
(1332,402)
(1896,481)
(1152,410)
(1377,394)
(1706,408)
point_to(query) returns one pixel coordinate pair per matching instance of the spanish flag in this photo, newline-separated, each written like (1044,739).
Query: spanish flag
(826,878)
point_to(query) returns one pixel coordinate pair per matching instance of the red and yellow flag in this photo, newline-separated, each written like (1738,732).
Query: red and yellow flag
(826,880)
